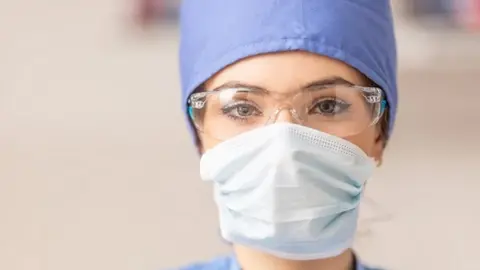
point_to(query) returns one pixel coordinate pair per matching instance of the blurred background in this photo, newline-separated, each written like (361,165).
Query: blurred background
(97,169)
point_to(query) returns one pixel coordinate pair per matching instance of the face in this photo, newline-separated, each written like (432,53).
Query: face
(285,74)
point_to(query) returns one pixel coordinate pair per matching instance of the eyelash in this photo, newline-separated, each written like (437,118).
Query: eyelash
(226,110)
(338,102)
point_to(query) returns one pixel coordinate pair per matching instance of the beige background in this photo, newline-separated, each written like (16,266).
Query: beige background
(97,170)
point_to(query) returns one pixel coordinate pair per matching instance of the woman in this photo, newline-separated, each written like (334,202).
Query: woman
(291,105)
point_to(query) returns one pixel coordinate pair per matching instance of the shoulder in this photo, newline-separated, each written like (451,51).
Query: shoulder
(221,263)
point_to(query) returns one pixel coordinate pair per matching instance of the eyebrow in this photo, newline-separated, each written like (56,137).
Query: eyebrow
(329,81)
(335,80)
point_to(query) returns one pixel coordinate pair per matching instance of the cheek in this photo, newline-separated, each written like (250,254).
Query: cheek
(365,140)
(207,142)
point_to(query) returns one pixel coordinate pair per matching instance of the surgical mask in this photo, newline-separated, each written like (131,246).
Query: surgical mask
(288,190)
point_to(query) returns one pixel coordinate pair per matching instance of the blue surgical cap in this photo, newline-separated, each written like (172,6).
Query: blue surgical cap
(217,33)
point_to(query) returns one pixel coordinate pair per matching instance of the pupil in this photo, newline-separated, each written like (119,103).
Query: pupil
(327,106)
(243,110)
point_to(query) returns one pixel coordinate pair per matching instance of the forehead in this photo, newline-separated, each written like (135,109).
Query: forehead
(285,72)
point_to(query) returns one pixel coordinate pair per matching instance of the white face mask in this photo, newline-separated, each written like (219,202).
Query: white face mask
(288,190)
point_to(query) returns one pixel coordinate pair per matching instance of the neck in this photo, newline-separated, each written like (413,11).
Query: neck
(250,259)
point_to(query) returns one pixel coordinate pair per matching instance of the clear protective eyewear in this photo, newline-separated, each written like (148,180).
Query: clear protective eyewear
(340,110)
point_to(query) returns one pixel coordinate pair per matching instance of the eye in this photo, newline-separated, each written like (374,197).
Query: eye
(241,110)
(330,106)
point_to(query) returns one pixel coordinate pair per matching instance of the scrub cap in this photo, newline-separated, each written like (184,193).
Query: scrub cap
(217,33)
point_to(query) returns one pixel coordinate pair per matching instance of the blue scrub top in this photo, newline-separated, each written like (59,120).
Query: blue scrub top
(230,263)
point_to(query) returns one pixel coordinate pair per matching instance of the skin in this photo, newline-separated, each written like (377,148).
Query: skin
(285,73)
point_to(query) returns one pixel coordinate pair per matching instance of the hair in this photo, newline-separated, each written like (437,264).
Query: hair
(384,124)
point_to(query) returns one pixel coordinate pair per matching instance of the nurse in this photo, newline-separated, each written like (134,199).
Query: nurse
(291,104)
